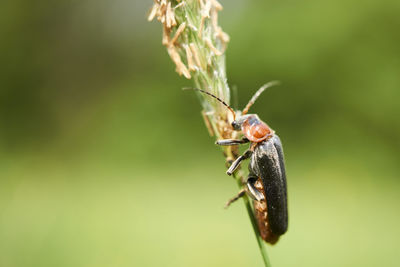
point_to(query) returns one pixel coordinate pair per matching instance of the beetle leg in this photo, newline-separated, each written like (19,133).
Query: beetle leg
(239,195)
(253,192)
(237,162)
(231,142)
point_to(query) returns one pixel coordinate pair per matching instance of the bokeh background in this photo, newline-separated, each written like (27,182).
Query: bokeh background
(104,161)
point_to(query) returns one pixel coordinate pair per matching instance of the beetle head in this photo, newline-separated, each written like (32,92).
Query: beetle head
(241,119)
(236,126)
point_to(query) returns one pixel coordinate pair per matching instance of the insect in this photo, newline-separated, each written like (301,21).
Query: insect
(266,182)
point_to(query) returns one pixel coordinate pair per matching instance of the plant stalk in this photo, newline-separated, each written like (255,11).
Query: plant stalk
(196,44)
(250,212)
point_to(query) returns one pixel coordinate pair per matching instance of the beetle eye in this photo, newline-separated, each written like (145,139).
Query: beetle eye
(235,125)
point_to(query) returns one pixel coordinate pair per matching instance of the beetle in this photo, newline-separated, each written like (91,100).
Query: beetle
(266,182)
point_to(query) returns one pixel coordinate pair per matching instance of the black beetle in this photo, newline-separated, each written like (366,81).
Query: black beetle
(266,182)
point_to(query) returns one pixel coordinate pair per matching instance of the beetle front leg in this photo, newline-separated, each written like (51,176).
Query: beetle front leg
(237,162)
(231,142)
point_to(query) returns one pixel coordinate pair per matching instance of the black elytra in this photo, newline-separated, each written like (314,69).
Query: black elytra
(267,163)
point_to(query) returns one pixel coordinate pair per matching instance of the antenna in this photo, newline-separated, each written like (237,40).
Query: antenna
(257,94)
(219,99)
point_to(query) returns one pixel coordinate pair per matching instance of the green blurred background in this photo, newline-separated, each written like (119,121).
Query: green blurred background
(104,161)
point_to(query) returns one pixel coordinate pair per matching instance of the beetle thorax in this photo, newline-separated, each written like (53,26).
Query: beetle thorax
(254,129)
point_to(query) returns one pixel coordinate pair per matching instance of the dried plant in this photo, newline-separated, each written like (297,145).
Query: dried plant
(196,44)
